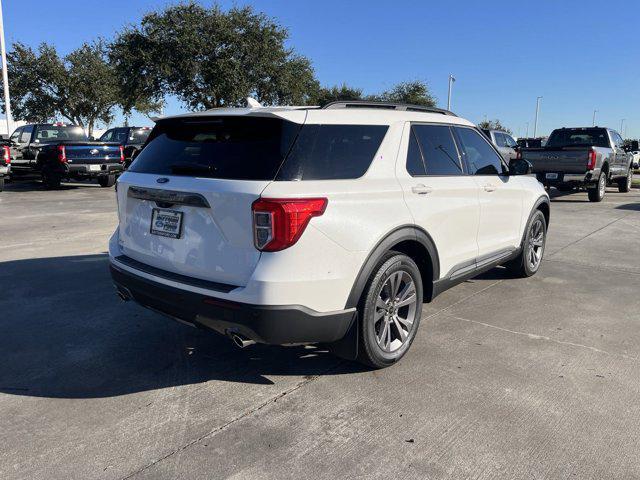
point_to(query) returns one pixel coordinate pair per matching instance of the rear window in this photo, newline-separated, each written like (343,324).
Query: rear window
(237,148)
(245,148)
(332,152)
(47,133)
(578,137)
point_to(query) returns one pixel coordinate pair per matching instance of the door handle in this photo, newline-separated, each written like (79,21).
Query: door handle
(489,188)
(421,189)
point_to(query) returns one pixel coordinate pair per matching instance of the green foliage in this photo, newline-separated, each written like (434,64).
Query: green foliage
(81,87)
(326,95)
(210,58)
(494,125)
(415,93)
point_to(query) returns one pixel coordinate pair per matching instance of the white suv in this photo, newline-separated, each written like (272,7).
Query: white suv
(319,225)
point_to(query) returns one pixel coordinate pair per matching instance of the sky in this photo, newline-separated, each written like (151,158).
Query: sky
(580,56)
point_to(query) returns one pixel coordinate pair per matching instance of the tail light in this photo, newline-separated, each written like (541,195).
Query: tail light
(6,155)
(62,154)
(591,164)
(278,223)
(121,154)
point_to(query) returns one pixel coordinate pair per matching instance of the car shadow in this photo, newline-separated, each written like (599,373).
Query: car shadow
(34,184)
(65,334)
(629,206)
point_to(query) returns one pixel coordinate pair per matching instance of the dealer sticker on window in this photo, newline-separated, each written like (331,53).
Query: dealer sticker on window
(166,223)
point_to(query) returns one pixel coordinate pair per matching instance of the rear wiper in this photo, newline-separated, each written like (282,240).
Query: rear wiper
(191,168)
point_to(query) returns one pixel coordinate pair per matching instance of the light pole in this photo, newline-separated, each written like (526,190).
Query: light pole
(593,124)
(535,125)
(5,75)
(451,80)
(527,130)
(621,124)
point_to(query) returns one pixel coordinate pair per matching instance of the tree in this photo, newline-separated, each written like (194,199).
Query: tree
(81,87)
(210,58)
(326,95)
(415,93)
(494,125)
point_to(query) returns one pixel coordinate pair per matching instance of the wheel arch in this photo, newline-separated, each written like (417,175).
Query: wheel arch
(544,206)
(413,242)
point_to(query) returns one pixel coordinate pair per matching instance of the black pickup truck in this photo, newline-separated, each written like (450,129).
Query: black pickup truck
(59,151)
(590,157)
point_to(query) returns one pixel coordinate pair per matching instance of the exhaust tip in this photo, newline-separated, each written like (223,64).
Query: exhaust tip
(124,294)
(240,340)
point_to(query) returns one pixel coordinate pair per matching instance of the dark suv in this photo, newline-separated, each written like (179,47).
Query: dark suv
(131,138)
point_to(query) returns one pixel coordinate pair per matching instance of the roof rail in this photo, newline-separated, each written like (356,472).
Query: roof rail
(385,105)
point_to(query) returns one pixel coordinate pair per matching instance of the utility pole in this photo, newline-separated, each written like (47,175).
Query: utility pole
(527,136)
(5,74)
(621,124)
(535,125)
(451,80)
(593,124)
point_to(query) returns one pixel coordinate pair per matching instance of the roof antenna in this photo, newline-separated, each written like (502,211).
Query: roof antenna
(253,103)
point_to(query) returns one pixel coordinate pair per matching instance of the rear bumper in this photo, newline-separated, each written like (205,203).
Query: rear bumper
(278,325)
(577,178)
(83,170)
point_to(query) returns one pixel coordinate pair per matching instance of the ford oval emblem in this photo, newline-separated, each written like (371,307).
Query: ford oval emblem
(162,180)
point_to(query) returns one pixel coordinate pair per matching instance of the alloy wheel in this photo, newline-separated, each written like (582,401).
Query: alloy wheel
(395,311)
(535,247)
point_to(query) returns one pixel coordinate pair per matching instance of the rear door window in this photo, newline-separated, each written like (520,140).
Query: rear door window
(332,152)
(239,148)
(438,149)
(415,165)
(480,157)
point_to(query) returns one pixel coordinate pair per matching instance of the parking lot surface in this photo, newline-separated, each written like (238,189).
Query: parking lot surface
(533,378)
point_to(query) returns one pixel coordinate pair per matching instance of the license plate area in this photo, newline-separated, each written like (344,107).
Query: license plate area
(166,223)
(551,176)
(94,168)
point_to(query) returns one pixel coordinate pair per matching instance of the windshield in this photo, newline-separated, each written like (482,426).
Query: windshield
(51,133)
(578,137)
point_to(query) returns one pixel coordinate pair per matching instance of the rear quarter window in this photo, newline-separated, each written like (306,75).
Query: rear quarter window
(332,152)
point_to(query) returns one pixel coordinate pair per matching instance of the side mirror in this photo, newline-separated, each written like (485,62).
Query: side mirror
(519,167)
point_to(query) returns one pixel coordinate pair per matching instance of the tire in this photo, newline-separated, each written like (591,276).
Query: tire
(1,184)
(51,181)
(528,262)
(597,194)
(387,328)
(624,184)
(107,181)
